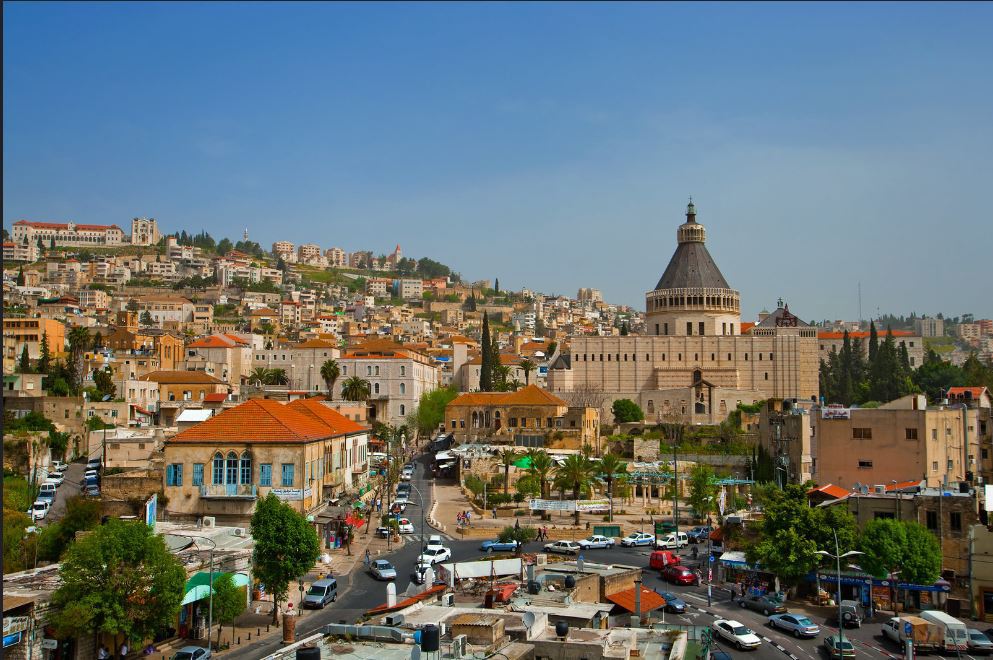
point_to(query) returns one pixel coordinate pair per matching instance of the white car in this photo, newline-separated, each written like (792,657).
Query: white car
(563,547)
(637,538)
(434,541)
(39,510)
(55,478)
(596,541)
(736,633)
(434,555)
(59,466)
(407,474)
(406,527)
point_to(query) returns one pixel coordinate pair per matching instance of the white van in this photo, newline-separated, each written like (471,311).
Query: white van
(956,633)
(671,542)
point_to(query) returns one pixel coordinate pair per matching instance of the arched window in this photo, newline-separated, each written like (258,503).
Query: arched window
(403,410)
(403,370)
(403,388)
(231,472)
(246,468)
(475,419)
(218,473)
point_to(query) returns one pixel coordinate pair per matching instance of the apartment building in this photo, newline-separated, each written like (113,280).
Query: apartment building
(144,231)
(337,258)
(308,252)
(302,363)
(178,390)
(970,332)
(69,272)
(166,308)
(409,289)
(19,332)
(302,452)
(227,272)
(67,234)
(224,356)
(93,299)
(13,251)
(284,249)
(929,327)
(129,337)
(914,343)
(380,287)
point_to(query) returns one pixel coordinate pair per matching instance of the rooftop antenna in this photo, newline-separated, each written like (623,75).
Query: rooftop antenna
(860,302)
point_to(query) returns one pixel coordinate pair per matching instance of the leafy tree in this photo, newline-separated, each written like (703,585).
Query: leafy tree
(501,372)
(528,485)
(79,339)
(935,375)
(45,361)
(611,468)
(922,558)
(551,348)
(486,368)
(625,329)
(703,490)
(626,410)
(541,467)
(576,472)
(496,285)
(278,377)
(976,373)
(356,389)
(430,413)
(884,542)
(97,341)
(81,514)
(517,533)
(330,371)
(119,580)
(229,601)
(104,382)
(873,342)
(20,276)
(507,458)
(286,547)
(146,318)
(527,366)
(224,246)
(132,305)
(15,522)
(24,364)
(259,375)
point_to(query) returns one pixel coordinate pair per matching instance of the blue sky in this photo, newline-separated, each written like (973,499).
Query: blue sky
(551,145)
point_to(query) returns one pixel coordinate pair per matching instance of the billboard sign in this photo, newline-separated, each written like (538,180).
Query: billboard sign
(835,411)
(151,510)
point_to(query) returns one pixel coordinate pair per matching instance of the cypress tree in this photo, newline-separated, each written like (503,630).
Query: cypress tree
(496,286)
(873,342)
(20,277)
(24,365)
(45,360)
(624,329)
(486,369)
(846,386)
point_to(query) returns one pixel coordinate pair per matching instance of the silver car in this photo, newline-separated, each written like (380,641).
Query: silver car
(383,570)
(796,624)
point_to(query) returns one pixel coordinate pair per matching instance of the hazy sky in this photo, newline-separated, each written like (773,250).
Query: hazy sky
(551,145)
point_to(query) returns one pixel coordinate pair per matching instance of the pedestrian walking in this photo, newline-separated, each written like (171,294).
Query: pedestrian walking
(494,512)
(103,654)
(124,650)
(368,558)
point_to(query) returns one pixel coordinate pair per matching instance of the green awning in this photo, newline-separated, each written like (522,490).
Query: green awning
(524,463)
(198,586)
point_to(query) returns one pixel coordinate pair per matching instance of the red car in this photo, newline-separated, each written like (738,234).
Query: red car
(662,558)
(679,575)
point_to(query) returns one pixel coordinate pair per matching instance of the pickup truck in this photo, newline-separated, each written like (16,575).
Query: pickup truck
(926,636)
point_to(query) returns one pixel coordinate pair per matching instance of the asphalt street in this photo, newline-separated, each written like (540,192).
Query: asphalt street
(360,592)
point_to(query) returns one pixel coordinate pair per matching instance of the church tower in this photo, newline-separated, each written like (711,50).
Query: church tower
(692,297)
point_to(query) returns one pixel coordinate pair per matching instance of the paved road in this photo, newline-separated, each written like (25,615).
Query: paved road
(70,486)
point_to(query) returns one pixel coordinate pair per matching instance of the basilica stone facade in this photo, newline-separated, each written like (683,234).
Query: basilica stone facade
(697,362)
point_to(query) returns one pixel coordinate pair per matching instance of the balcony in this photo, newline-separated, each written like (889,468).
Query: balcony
(228,492)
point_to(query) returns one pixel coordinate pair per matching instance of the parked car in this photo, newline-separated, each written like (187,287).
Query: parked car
(434,555)
(836,647)
(191,653)
(93,464)
(797,624)
(764,604)
(736,633)
(596,541)
(39,510)
(673,603)
(979,643)
(679,575)
(499,546)
(851,614)
(55,478)
(46,496)
(321,593)
(59,466)
(672,541)
(637,538)
(405,526)
(92,491)
(382,570)
(699,534)
(435,540)
(47,488)
(563,547)
(659,559)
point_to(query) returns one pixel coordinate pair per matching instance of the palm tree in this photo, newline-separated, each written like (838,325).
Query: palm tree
(79,339)
(259,375)
(507,458)
(330,372)
(356,389)
(278,377)
(576,472)
(611,467)
(527,366)
(541,467)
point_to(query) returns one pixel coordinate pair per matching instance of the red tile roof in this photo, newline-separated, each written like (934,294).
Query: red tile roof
(407,602)
(650,600)
(861,334)
(182,377)
(961,391)
(216,397)
(315,343)
(334,420)
(64,225)
(257,421)
(746,327)
(213,341)
(832,491)
(532,395)
(903,484)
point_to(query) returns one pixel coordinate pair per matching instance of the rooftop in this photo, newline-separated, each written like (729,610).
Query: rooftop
(532,395)
(257,420)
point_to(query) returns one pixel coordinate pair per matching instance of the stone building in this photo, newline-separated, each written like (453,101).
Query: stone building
(67,234)
(697,360)
(144,231)
(912,341)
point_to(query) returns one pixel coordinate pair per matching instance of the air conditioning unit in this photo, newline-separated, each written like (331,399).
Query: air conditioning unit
(459,645)
(209,521)
(541,559)
(448,600)
(394,620)
(879,489)
(239,531)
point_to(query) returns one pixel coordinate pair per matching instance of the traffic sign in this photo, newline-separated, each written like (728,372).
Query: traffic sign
(711,559)
(907,628)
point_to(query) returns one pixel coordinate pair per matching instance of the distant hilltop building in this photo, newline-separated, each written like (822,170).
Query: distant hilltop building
(698,361)
(67,234)
(144,231)
(589,295)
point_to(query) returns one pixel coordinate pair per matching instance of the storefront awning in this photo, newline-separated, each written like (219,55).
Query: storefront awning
(735,558)
(198,586)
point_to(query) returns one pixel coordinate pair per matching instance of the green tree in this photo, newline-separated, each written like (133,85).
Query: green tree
(286,547)
(976,373)
(486,367)
(24,364)
(626,410)
(20,276)
(625,330)
(873,342)
(45,361)
(104,382)
(330,371)
(259,375)
(278,377)
(610,468)
(228,603)
(356,389)
(224,246)
(132,305)
(517,533)
(146,318)
(507,458)
(496,286)
(541,467)
(935,376)
(576,473)
(81,514)
(527,366)
(922,558)
(119,580)
(703,490)
(884,542)
(79,340)
(430,413)
(97,341)
(15,524)
(551,348)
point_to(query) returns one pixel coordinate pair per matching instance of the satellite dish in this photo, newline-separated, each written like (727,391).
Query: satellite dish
(528,620)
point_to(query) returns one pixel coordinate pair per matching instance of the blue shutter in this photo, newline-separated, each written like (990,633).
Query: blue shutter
(198,474)
(265,474)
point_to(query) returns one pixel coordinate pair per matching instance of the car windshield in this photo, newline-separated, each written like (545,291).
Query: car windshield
(742,630)
(804,621)
(183,655)
(316,591)
(977,635)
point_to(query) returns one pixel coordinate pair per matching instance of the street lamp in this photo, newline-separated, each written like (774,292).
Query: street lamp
(837,556)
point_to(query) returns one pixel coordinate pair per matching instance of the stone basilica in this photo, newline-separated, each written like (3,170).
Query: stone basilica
(698,359)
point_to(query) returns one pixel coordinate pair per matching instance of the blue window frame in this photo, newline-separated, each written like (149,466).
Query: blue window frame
(174,474)
(288,474)
(218,472)
(246,468)
(265,474)
(198,474)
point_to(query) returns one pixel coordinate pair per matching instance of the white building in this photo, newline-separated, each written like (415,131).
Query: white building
(67,234)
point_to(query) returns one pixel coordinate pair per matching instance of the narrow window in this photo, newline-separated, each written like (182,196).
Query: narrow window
(265,474)
(198,474)
(288,474)
(218,471)
(689,327)
(700,330)
(246,468)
